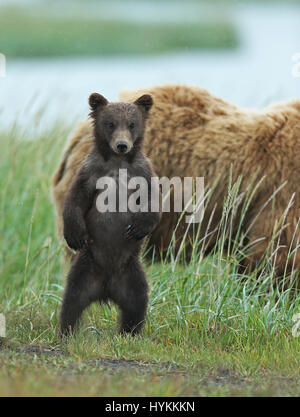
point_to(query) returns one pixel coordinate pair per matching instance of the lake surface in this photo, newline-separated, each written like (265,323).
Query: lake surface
(38,92)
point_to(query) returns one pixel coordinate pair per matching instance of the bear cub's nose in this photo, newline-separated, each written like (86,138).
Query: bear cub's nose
(122,147)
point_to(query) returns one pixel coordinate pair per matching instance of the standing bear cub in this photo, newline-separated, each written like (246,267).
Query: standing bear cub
(106,266)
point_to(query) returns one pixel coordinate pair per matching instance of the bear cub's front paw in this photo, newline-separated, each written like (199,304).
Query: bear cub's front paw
(76,241)
(135,231)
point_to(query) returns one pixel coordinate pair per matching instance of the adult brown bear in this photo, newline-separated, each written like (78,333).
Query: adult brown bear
(192,133)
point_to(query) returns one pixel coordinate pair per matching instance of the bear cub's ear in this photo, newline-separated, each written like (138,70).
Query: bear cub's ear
(96,100)
(145,101)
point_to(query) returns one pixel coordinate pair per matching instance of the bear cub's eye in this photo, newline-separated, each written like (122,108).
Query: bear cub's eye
(111,125)
(131,126)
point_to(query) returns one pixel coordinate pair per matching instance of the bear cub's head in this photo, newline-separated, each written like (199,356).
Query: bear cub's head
(119,127)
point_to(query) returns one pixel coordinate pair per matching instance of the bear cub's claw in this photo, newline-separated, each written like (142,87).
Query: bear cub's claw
(133,231)
(76,243)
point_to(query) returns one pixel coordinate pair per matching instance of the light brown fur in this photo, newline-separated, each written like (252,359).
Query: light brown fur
(193,133)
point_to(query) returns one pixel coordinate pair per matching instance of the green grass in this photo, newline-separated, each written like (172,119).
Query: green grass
(204,321)
(31,33)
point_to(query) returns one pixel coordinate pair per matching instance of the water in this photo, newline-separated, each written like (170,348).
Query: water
(38,92)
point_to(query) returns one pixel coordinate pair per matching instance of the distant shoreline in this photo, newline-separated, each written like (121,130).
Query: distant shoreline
(29,32)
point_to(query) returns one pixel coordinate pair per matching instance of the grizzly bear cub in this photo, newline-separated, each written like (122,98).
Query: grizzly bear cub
(106,266)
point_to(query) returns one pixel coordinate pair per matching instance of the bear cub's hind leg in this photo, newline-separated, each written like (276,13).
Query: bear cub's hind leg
(83,287)
(132,298)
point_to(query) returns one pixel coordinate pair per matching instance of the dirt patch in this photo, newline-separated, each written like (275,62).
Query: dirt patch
(66,367)
(222,376)
(108,364)
(216,377)
(37,350)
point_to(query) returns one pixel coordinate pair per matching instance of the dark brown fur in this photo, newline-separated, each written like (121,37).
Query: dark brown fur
(107,265)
